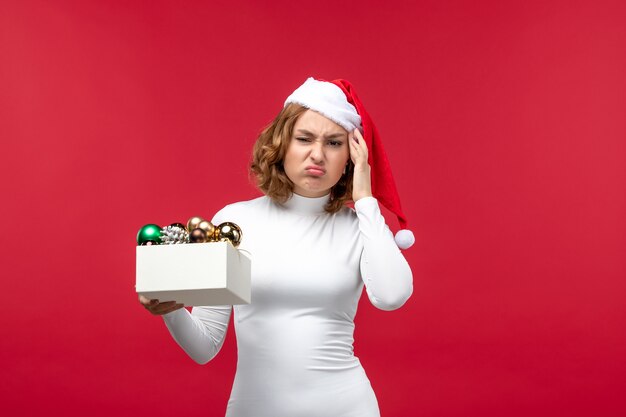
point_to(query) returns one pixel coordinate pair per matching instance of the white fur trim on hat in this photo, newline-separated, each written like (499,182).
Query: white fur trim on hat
(404,239)
(328,100)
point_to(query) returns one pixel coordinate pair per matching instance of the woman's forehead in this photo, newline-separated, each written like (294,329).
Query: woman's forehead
(316,123)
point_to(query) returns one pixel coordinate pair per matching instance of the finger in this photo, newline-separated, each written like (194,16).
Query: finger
(354,142)
(354,151)
(170,309)
(359,136)
(357,151)
(351,138)
(361,142)
(146,301)
(354,139)
(354,147)
(162,308)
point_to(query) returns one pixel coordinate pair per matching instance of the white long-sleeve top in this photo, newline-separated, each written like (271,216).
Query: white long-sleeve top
(294,340)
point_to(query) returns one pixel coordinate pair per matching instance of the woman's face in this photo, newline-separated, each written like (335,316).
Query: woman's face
(317,154)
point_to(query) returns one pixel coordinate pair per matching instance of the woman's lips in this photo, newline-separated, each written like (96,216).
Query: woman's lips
(315,171)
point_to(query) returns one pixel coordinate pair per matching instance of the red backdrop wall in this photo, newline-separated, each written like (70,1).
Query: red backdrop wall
(504,123)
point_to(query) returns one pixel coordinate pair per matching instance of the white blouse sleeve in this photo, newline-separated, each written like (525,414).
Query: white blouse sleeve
(385,272)
(200,333)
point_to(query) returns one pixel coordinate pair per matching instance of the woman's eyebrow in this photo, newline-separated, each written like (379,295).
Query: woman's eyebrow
(332,136)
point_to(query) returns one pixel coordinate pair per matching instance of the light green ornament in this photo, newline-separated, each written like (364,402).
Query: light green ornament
(150,234)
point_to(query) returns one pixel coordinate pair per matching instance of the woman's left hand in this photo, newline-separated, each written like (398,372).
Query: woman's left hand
(362,181)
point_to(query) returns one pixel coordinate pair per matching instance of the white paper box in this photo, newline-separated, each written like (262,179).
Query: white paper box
(196,274)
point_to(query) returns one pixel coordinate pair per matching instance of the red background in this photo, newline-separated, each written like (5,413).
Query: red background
(505,126)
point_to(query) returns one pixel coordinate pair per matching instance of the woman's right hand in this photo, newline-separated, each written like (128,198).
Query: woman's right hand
(157,308)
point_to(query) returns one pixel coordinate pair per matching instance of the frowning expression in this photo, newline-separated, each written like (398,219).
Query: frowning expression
(317,154)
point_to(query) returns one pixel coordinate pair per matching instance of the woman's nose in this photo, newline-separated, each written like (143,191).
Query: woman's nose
(317,151)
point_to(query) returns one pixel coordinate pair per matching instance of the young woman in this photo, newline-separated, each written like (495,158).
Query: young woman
(312,255)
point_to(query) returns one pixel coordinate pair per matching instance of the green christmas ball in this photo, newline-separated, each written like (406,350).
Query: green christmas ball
(149,233)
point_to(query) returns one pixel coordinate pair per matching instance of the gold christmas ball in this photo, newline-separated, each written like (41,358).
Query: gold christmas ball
(197,236)
(208,228)
(193,223)
(229,232)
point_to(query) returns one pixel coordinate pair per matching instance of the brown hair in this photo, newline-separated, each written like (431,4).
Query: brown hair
(268,156)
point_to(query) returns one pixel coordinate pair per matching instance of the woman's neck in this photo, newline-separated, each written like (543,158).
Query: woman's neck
(307,205)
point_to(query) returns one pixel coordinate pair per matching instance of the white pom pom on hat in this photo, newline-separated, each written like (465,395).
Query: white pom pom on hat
(404,239)
(338,101)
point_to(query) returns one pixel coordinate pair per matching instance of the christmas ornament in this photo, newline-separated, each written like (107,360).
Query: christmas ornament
(182,226)
(208,228)
(228,232)
(174,234)
(177,233)
(149,233)
(197,236)
(193,223)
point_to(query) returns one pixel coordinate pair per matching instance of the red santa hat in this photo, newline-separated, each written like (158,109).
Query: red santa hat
(338,101)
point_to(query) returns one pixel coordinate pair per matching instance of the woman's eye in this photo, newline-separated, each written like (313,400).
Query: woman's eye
(301,139)
(335,143)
